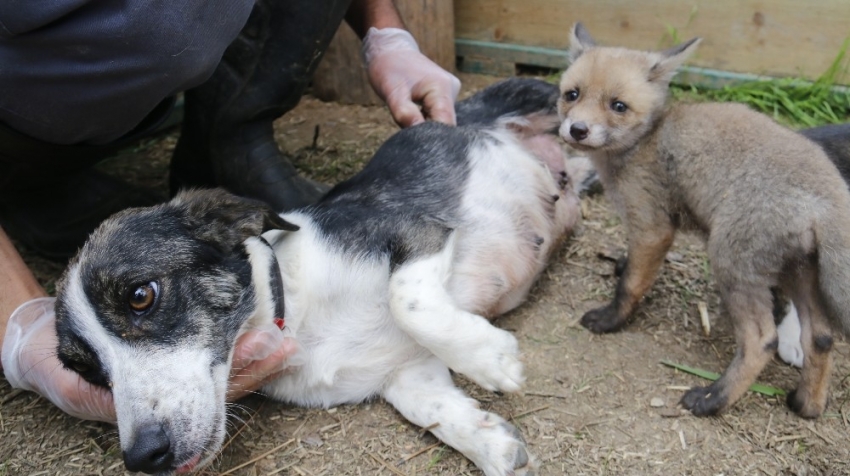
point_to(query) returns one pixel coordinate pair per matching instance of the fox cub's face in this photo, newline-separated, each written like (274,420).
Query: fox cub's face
(610,97)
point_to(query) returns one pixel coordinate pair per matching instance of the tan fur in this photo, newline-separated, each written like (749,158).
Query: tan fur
(774,209)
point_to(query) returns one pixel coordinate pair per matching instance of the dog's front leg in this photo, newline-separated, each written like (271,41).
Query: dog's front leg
(466,342)
(423,392)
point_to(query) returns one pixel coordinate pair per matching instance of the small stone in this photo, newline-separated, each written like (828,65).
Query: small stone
(674,257)
(312,440)
(656,402)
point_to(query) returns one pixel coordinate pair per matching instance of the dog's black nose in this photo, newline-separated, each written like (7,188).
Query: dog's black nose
(151,451)
(579,131)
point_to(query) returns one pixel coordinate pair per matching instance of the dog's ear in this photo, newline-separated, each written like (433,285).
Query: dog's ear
(580,41)
(217,216)
(670,60)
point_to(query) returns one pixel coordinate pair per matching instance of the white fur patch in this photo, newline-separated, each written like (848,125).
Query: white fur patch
(789,331)
(336,307)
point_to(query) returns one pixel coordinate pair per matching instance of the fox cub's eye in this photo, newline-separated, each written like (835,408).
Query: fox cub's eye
(619,106)
(571,95)
(142,298)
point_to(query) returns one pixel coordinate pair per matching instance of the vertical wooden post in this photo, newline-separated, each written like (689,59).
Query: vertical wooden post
(341,76)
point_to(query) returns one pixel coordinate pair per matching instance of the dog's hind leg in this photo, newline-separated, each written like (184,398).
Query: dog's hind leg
(466,342)
(423,392)
(809,400)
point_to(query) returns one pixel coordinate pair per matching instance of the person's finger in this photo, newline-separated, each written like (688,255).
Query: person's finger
(438,100)
(404,111)
(247,379)
(257,344)
(440,108)
(78,398)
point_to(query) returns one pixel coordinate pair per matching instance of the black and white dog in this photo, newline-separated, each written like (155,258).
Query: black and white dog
(386,285)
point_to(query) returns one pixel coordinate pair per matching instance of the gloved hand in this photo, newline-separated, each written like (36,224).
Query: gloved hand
(403,77)
(30,362)
(261,355)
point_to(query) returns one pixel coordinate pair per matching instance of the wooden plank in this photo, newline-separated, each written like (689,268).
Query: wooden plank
(432,23)
(500,59)
(774,38)
(341,76)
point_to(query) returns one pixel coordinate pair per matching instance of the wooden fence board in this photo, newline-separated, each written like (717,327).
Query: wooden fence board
(764,37)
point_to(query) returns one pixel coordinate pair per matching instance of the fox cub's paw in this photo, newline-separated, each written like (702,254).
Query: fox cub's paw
(704,401)
(806,407)
(604,319)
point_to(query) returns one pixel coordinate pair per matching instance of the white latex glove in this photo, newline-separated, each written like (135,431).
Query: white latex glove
(30,362)
(403,77)
(261,355)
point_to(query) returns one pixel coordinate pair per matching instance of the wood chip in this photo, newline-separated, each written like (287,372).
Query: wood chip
(703,317)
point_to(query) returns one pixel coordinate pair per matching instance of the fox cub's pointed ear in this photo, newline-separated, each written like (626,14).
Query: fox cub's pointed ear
(670,60)
(580,41)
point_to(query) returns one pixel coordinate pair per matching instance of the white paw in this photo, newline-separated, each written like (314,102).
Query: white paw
(790,349)
(502,450)
(493,362)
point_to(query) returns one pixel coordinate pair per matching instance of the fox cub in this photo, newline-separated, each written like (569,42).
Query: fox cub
(774,210)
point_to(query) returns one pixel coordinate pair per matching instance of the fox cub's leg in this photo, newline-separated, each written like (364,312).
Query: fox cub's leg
(647,248)
(751,310)
(423,392)
(809,400)
(466,342)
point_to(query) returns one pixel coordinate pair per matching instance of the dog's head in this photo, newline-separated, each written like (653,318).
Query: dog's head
(151,308)
(611,97)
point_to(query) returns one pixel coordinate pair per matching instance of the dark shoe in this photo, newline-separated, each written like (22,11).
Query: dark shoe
(251,168)
(55,219)
(227,138)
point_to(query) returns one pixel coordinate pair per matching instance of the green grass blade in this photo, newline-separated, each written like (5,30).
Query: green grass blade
(756,387)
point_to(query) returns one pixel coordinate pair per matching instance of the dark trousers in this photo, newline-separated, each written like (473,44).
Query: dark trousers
(82,78)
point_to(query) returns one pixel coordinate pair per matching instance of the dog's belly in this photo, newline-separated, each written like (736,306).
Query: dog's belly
(517,209)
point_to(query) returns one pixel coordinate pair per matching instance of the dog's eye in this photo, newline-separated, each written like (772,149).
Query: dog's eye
(619,106)
(143,297)
(80,367)
(571,95)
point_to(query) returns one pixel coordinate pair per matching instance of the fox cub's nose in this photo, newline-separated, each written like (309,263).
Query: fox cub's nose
(579,131)
(151,451)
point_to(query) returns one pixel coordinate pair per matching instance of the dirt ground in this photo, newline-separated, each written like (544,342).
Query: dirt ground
(592,404)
